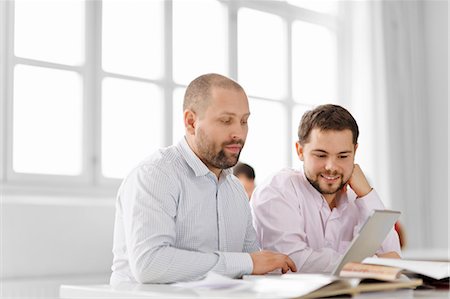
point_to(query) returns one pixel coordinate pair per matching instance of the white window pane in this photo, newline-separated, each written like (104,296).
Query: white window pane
(261,54)
(47,125)
(323,6)
(49,30)
(199,39)
(178,130)
(313,64)
(132,124)
(133,38)
(297,114)
(265,148)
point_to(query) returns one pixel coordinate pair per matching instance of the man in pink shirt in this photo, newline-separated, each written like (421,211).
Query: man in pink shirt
(313,215)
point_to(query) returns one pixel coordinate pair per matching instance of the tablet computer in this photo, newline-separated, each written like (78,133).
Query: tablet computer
(373,232)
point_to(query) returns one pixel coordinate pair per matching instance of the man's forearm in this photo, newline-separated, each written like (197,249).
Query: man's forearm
(168,264)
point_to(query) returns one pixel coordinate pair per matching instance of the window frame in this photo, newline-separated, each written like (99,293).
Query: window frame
(91,181)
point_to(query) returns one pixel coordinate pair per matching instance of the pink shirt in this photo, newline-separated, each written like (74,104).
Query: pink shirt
(293,218)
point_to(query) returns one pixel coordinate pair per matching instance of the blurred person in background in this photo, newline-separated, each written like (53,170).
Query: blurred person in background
(246,174)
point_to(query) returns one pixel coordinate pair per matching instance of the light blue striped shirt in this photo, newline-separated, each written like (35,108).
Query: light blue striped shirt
(175,221)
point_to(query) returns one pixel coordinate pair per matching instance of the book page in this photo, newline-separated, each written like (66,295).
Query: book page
(214,281)
(292,285)
(307,286)
(378,272)
(436,270)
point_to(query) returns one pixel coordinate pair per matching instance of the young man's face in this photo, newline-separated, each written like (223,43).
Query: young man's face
(219,133)
(328,159)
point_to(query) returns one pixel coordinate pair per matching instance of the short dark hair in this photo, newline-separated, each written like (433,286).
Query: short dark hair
(327,117)
(245,169)
(198,92)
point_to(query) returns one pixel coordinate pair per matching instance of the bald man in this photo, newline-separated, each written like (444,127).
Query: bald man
(181,213)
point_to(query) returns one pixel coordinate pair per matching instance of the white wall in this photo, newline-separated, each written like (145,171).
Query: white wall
(52,236)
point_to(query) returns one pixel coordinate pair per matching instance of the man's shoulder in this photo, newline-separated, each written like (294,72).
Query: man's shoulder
(285,175)
(282,180)
(164,156)
(161,167)
(286,184)
(164,160)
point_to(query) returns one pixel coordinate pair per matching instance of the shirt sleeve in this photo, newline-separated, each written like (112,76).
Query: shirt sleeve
(279,222)
(251,243)
(365,206)
(148,199)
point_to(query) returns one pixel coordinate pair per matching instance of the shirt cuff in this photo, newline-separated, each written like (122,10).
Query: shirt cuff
(237,264)
(368,203)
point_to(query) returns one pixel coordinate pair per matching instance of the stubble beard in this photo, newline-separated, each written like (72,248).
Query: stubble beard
(217,158)
(316,184)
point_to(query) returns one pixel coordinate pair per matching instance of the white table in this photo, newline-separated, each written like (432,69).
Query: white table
(169,291)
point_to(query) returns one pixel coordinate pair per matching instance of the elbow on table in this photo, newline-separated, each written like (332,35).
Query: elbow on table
(144,278)
(148,276)
(150,273)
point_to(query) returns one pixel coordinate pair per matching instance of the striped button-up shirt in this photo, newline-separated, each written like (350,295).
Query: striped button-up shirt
(175,221)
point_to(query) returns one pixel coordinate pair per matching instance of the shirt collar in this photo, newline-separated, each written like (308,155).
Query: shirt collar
(194,162)
(317,197)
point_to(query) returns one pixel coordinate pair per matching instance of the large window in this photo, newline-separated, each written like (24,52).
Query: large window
(89,88)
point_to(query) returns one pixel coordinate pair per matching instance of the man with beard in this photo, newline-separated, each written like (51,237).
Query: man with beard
(313,215)
(181,213)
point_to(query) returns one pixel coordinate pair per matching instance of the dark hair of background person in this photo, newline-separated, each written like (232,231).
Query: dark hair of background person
(245,169)
(327,117)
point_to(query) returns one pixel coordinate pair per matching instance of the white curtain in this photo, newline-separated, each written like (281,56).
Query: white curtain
(388,93)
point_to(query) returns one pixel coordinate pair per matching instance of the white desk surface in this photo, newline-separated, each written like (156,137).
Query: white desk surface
(169,291)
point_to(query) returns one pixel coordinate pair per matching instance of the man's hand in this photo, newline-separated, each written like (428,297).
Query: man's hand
(389,255)
(358,182)
(266,261)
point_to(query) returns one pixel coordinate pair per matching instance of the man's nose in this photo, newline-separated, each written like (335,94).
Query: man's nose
(239,132)
(330,165)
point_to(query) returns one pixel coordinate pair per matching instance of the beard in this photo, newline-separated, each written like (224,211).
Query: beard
(329,188)
(215,155)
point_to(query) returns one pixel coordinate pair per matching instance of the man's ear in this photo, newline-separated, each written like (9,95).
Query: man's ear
(190,119)
(356,146)
(299,150)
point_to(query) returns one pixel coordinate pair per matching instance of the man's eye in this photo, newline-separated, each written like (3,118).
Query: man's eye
(343,157)
(320,156)
(226,121)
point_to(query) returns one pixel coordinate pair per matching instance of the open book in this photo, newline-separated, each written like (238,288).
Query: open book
(369,271)
(434,274)
(306,286)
